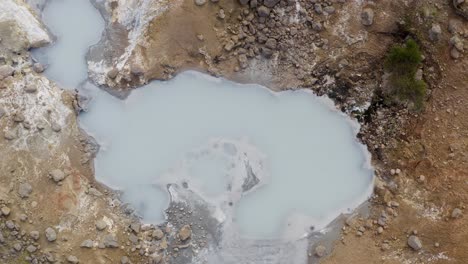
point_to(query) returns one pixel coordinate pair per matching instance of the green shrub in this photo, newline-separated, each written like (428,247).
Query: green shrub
(403,62)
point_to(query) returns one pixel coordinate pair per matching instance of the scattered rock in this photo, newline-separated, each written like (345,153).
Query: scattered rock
(112,74)
(435,32)
(454,53)
(263,11)
(133,238)
(380,230)
(10,225)
(243,62)
(38,67)
(18,117)
(271,43)
(455,26)
(414,242)
(30,88)
(385,246)
(457,213)
(318,8)
(229,45)
(135,227)
(24,190)
(270,3)
(73,259)
(31,249)
(5,211)
(88,243)
(94,192)
(200,2)
(457,43)
(124,260)
(50,234)
(421,179)
(266,52)
(155,258)
(329,9)
(5,71)
(2,112)
(57,175)
(17,247)
(185,232)
(367,17)
(9,135)
(320,251)
(110,241)
(41,124)
(56,127)
(158,234)
(221,14)
(23,217)
(34,235)
(101,225)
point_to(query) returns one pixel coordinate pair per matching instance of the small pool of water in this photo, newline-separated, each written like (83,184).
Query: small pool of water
(272,163)
(77,25)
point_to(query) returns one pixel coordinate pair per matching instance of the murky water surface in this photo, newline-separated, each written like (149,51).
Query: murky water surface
(272,163)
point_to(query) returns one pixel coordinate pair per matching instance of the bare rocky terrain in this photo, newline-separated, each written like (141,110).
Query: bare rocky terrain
(53,211)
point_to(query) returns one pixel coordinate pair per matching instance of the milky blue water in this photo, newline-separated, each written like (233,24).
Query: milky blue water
(215,136)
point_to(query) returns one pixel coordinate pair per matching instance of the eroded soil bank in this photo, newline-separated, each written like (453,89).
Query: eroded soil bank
(336,48)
